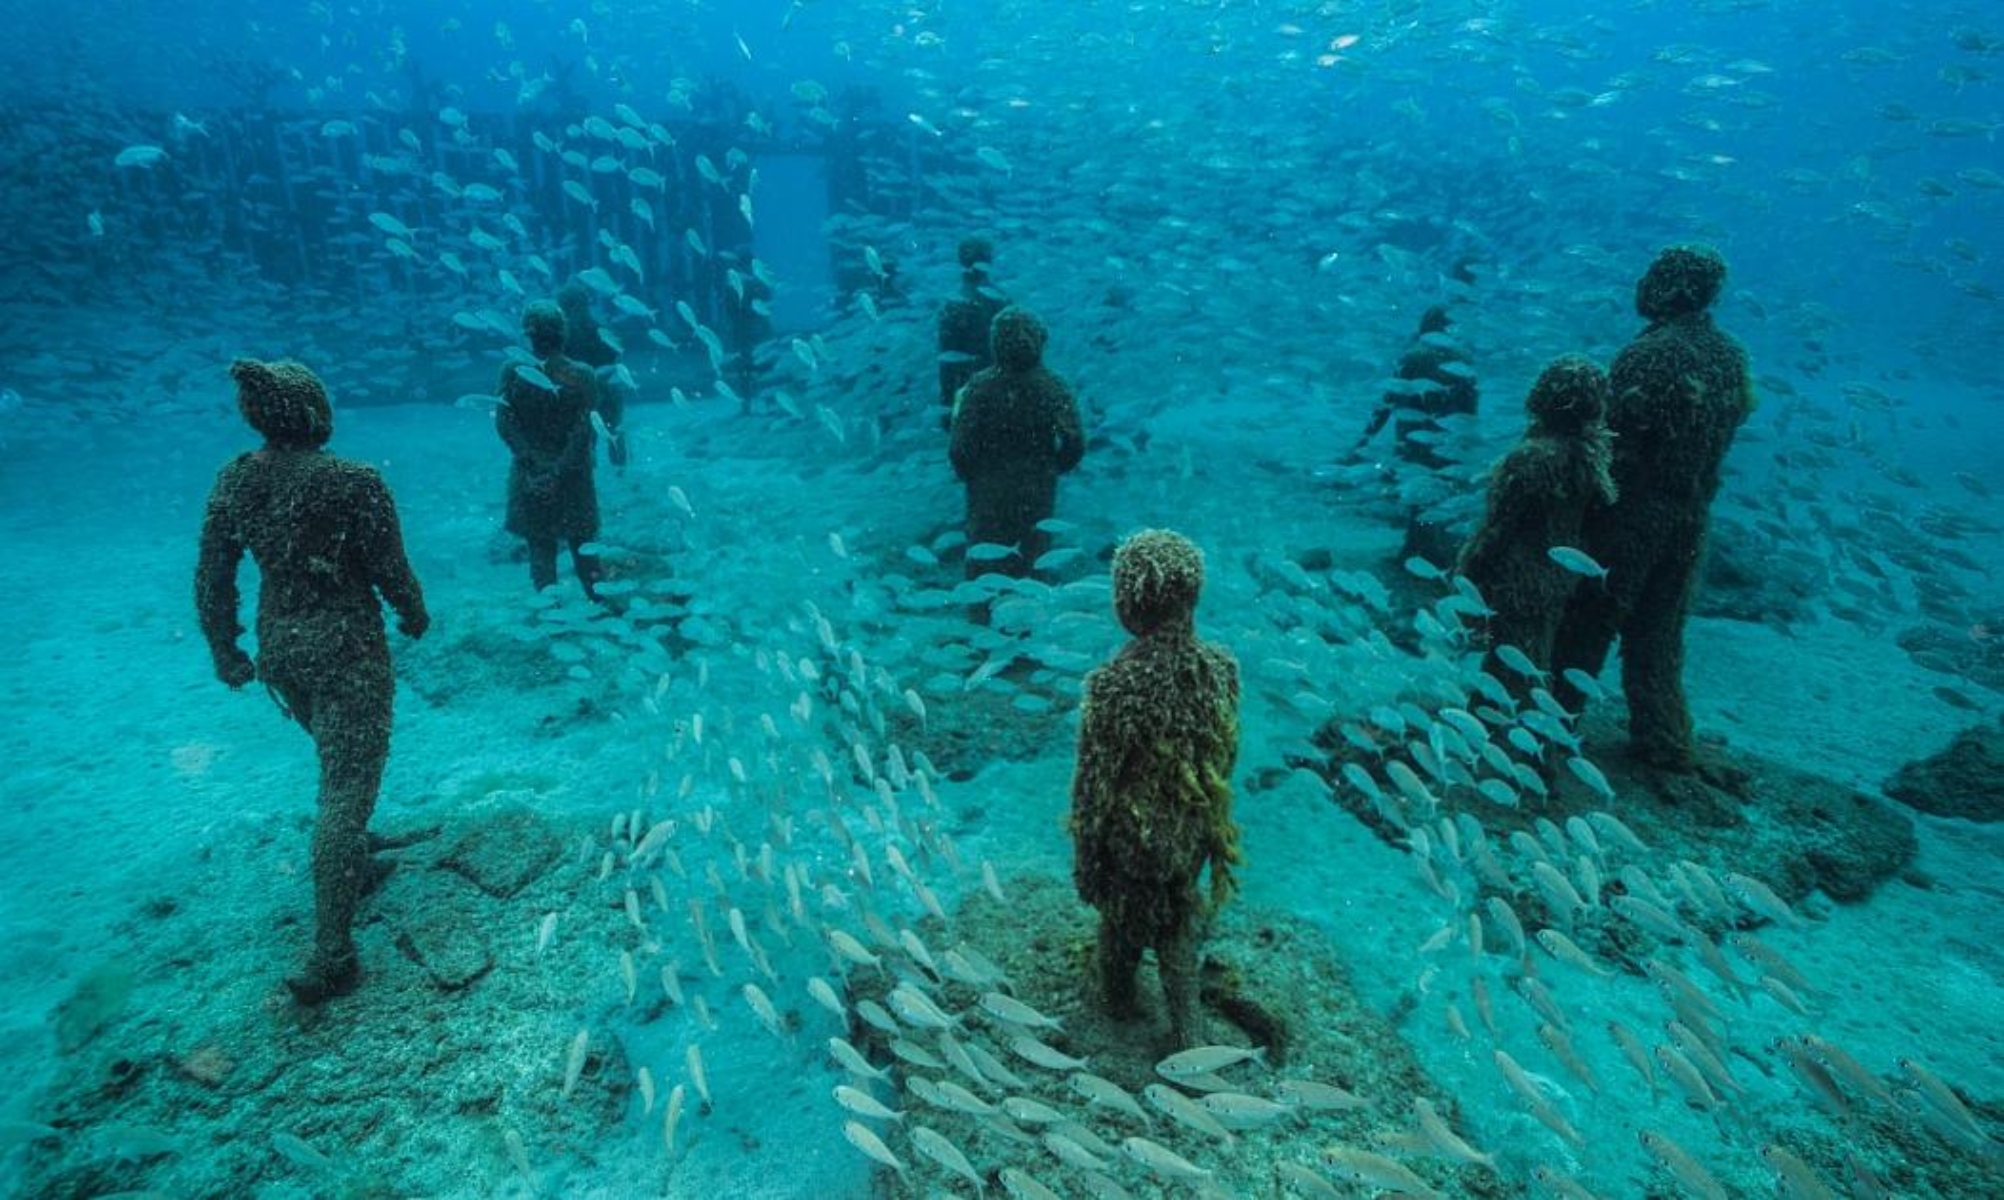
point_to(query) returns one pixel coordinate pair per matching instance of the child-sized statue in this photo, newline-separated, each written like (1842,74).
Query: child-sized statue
(1152,795)
(1539,498)
(1016,429)
(1677,395)
(325,537)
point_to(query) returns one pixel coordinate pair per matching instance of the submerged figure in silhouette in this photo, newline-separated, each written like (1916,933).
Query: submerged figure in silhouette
(1677,395)
(1015,430)
(1435,383)
(1539,498)
(545,418)
(1152,792)
(746,303)
(329,551)
(585,342)
(965,321)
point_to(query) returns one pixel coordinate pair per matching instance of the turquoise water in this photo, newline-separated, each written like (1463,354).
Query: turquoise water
(1230,217)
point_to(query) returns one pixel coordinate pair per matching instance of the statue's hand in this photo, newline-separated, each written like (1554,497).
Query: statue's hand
(235,668)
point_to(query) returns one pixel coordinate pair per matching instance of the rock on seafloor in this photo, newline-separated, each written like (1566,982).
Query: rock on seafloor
(200,1077)
(440,927)
(1271,980)
(1964,779)
(503,854)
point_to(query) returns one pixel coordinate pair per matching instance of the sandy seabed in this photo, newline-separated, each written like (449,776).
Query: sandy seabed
(131,779)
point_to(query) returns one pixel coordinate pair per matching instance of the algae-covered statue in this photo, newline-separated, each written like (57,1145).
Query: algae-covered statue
(1016,429)
(545,418)
(964,322)
(324,534)
(1677,394)
(1539,497)
(1152,793)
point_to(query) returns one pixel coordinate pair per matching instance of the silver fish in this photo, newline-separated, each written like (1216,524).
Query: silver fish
(1032,1051)
(1161,1160)
(1007,1008)
(861,1137)
(534,377)
(1578,561)
(933,1145)
(1185,1111)
(1236,1110)
(852,1060)
(863,1104)
(1104,1093)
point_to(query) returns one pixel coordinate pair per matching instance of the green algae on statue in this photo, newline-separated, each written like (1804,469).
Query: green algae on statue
(545,419)
(1540,495)
(325,536)
(1016,428)
(1152,790)
(1677,396)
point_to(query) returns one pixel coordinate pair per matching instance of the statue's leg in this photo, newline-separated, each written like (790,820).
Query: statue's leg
(1119,960)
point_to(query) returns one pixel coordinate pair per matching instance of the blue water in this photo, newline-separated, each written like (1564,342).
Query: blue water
(1230,216)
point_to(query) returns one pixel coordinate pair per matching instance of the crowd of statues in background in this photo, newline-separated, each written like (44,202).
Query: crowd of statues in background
(1593,531)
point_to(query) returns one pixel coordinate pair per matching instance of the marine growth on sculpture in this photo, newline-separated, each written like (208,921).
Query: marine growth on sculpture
(1677,395)
(1152,792)
(329,552)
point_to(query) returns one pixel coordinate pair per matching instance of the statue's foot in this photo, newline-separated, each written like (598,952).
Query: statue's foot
(1723,773)
(1190,1031)
(1708,765)
(379,842)
(1682,782)
(324,979)
(375,873)
(1669,758)
(1121,1004)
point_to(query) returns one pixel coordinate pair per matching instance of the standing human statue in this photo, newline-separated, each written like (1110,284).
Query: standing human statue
(1152,791)
(1435,382)
(964,324)
(1539,497)
(1677,395)
(329,552)
(545,419)
(746,305)
(585,341)
(1015,431)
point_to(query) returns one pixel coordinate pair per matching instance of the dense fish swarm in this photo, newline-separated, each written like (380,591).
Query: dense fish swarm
(753,871)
